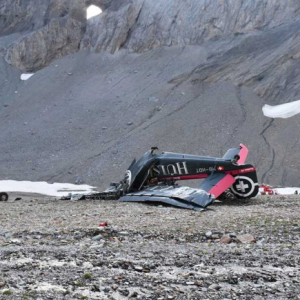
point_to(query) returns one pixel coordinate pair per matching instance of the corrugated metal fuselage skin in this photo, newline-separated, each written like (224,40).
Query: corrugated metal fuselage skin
(168,165)
(179,165)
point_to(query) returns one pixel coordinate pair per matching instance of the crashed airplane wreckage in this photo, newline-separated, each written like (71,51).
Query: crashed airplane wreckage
(153,179)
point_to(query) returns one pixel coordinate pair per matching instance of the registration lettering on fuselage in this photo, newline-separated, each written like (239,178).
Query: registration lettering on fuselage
(205,170)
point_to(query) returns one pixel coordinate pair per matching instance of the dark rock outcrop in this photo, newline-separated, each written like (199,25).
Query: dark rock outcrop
(141,25)
(111,31)
(36,50)
(40,32)
(29,16)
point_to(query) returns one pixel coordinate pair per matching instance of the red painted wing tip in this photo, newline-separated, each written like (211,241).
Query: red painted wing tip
(222,185)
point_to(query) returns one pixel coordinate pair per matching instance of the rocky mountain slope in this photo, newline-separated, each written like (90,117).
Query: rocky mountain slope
(186,76)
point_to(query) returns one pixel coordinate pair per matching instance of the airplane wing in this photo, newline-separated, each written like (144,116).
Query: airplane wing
(217,183)
(180,196)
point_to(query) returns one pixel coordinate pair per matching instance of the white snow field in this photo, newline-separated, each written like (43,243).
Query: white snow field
(283,111)
(44,188)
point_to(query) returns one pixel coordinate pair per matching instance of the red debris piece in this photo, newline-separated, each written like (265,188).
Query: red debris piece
(103,224)
(267,190)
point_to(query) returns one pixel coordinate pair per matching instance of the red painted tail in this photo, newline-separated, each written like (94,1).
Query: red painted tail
(243,154)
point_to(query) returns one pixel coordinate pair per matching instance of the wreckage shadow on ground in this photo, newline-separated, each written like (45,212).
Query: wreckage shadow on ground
(232,202)
(236,202)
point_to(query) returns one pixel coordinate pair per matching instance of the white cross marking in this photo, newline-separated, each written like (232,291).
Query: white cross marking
(242,187)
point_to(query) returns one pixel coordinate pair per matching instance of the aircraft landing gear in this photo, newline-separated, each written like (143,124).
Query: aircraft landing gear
(3,197)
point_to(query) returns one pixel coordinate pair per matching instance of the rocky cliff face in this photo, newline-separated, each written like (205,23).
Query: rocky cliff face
(147,24)
(57,27)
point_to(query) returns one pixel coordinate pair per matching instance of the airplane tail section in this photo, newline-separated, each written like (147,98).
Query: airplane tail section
(237,154)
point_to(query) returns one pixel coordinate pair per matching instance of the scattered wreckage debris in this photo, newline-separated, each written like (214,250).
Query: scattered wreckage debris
(104,224)
(267,190)
(176,195)
(153,179)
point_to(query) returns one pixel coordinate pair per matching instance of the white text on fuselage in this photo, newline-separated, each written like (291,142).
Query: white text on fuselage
(205,170)
(172,169)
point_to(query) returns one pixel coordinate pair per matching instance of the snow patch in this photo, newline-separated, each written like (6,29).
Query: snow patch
(44,188)
(93,11)
(287,191)
(283,111)
(25,77)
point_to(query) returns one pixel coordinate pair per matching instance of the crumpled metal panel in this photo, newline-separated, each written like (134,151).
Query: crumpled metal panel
(180,196)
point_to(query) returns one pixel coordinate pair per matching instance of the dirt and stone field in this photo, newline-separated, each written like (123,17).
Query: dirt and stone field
(52,249)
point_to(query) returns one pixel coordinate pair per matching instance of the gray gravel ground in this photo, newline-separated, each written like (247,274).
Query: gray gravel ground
(52,249)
